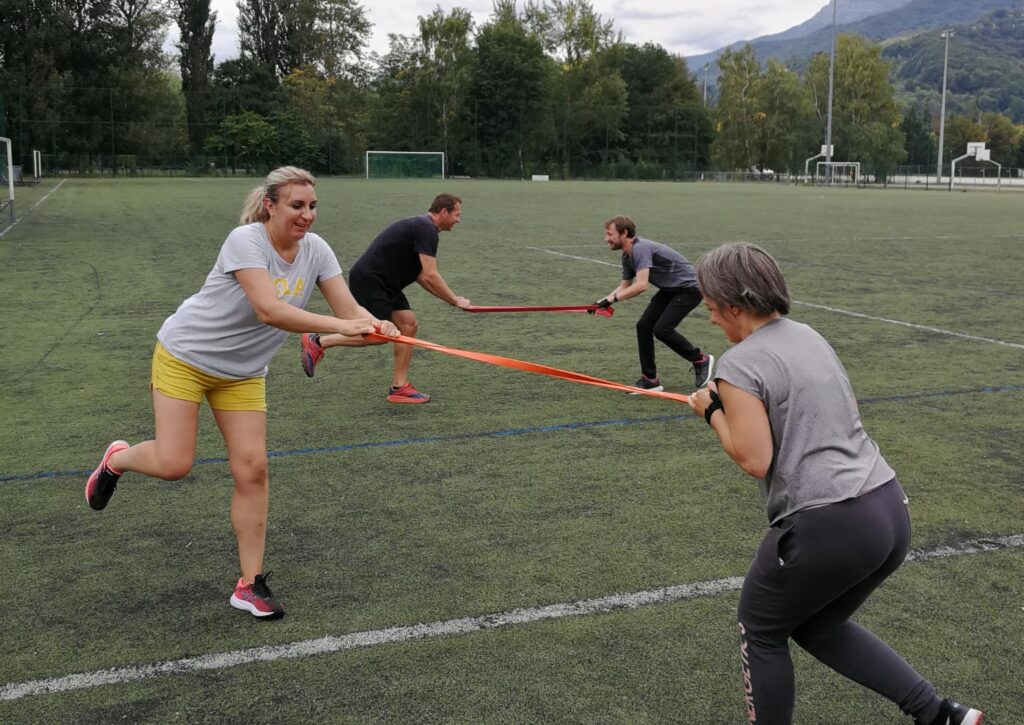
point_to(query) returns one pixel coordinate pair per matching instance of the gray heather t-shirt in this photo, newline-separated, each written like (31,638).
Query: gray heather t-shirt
(821,452)
(669,269)
(216,329)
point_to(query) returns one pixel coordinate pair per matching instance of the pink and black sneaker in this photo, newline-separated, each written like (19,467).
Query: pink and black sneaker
(310,352)
(257,599)
(406,394)
(101,484)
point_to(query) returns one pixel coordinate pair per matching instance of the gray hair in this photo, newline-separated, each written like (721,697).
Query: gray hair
(253,209)
(743,275)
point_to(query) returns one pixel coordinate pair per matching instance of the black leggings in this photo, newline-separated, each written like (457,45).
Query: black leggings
(663,315)
(812,571)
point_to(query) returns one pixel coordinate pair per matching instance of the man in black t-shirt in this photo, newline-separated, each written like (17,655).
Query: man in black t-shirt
(403,253)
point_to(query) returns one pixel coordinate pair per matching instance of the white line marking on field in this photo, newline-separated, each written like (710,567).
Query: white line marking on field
(573,256)
(952,333)
(466,625)
(18,221)
(836,310)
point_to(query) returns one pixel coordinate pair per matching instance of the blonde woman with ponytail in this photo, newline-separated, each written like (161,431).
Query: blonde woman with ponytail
(218,344)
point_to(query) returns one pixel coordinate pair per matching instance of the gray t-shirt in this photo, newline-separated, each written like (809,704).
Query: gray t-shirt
(216,329)
(821,452)
(669,269)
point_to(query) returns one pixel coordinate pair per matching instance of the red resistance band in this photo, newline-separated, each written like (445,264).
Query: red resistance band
(596,309)
(529,367)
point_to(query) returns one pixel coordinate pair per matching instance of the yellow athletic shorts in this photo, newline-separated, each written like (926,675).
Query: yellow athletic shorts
(179,380)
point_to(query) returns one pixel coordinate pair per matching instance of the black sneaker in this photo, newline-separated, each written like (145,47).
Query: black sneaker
(953,713)
(646,383)
(702,370)
(102,482)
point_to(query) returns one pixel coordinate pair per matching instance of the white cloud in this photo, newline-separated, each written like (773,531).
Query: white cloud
(685,27)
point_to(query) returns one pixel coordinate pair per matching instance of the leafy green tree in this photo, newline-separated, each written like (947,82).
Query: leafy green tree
(509,97)
(400,106)
(1002,135)
(787,131)
(569,29)
(196,24)
(959,131)
(920,142)
(341,32)
(447,71)
(247,137)
(589,95)
(262,33)
(666,122)
(865,115)
(244,84)
(736,143)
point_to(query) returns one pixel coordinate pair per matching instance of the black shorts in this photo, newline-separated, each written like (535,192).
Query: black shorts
(378,301)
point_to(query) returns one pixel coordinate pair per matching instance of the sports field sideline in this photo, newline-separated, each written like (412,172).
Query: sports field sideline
(521,549)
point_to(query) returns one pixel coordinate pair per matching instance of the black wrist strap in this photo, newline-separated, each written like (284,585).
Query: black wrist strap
(716,404)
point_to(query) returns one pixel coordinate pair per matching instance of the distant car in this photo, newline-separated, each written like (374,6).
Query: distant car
(764,174)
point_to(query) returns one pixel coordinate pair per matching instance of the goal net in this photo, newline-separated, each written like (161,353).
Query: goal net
(405,165)
(839,173)
(7,180)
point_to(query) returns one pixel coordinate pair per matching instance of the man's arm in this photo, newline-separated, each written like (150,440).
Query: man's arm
(432,281)
(630,287)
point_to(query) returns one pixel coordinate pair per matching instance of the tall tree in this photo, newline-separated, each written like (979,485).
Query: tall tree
(666,122)
(569,29)
(920,143)
(509,98)
(342,29)
(196,24)
(786,123)
(589,95)
(262,33)
(447,70)
(1002,136)
(865,115)
(740,74)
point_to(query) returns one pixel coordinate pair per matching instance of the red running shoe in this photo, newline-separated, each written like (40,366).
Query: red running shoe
(406,394)
(257,599)
(310,352)
(101,484)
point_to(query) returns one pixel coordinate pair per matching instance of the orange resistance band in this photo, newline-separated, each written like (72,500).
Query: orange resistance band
(529,367)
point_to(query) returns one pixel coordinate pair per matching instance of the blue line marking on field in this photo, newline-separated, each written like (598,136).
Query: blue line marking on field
(511,432)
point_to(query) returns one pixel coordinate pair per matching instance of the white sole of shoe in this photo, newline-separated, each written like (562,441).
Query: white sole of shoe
(249,607)
(973,717)
(711,371)
(653,390)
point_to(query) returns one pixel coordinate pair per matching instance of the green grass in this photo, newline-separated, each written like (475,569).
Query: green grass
(595,493)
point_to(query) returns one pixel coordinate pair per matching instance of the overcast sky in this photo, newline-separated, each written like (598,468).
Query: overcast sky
(685,27)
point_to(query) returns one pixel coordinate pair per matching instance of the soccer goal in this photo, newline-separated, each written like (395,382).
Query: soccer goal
(8,176)
(405,164)
(840,173)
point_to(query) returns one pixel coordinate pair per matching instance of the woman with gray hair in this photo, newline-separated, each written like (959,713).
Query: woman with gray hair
(218,345)
(783,408)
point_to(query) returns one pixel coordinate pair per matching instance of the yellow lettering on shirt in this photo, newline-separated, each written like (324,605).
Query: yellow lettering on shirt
(283,289)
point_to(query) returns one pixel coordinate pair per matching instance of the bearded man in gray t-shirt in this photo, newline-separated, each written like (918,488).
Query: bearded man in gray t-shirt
(645,262)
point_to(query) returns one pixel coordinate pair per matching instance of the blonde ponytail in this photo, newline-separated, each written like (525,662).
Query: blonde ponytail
(253,209)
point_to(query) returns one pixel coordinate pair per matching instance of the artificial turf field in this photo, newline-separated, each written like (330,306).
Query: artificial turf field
(572,553)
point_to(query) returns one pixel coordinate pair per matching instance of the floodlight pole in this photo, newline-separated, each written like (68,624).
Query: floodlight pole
(705,85)
(942,111)
(831,93)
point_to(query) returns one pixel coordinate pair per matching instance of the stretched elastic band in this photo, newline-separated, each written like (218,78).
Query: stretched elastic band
(595,309)
(529,367)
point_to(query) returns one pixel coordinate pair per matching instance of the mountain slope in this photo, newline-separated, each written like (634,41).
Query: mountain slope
(901,19)
(986,66)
